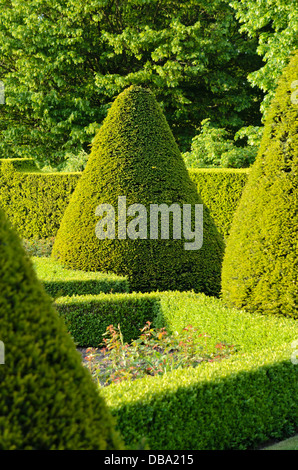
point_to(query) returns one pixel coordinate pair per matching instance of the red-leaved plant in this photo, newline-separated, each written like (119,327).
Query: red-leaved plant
(155,352)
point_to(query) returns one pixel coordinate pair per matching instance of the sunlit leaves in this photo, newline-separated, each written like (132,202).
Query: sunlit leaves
(275,25)
(63,63)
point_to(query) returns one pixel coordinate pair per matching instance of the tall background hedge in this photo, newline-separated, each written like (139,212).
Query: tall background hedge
(35,202)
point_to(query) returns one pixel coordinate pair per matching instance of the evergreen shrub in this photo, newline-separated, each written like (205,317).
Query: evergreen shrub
(260,269)
(134,154)
(88,316)
(48,400)
(236,404)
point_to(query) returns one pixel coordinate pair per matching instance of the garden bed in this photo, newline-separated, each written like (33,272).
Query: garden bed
(237,403)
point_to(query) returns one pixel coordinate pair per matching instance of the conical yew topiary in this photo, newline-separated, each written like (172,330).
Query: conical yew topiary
(48,400)
(135,160)
(260,268)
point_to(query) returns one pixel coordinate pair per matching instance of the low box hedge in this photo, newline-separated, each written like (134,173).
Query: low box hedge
(232,405)
(59,281)
(237,403)
(87,317)
(248,331)
(20,164)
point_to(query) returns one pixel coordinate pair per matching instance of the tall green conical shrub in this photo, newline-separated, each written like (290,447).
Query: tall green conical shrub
(134,155)
(48,400)
(260,267)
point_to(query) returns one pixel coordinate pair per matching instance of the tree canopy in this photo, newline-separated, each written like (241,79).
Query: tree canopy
(63,62)
(275,26)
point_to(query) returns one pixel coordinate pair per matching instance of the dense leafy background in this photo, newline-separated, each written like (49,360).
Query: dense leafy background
(63,62)
(275,25)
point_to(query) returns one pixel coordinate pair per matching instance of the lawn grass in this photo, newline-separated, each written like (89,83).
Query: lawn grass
(287,444)
(60,281)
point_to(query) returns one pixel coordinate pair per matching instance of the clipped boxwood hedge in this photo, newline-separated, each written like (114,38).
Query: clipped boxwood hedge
(87,317)
(59,281)
(20,164)
(264,232)
(35,202)
(235,404)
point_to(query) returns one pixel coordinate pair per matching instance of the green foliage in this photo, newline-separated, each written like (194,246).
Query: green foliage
(88,316)
(63,63)
(47,399)
(274,25)
(212,148)
(220,190)
(235,404)
(73,162)
(135,155)
(59,281)
(20,164)
(245,400)
(260,265)
(155,352)
(249,332)
(35,202)
(288,444)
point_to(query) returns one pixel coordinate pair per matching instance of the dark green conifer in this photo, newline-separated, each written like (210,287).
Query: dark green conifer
(134,155)
(260,268)
(48,400)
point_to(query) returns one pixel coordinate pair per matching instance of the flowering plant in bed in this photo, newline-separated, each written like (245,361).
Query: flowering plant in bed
(155,352)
